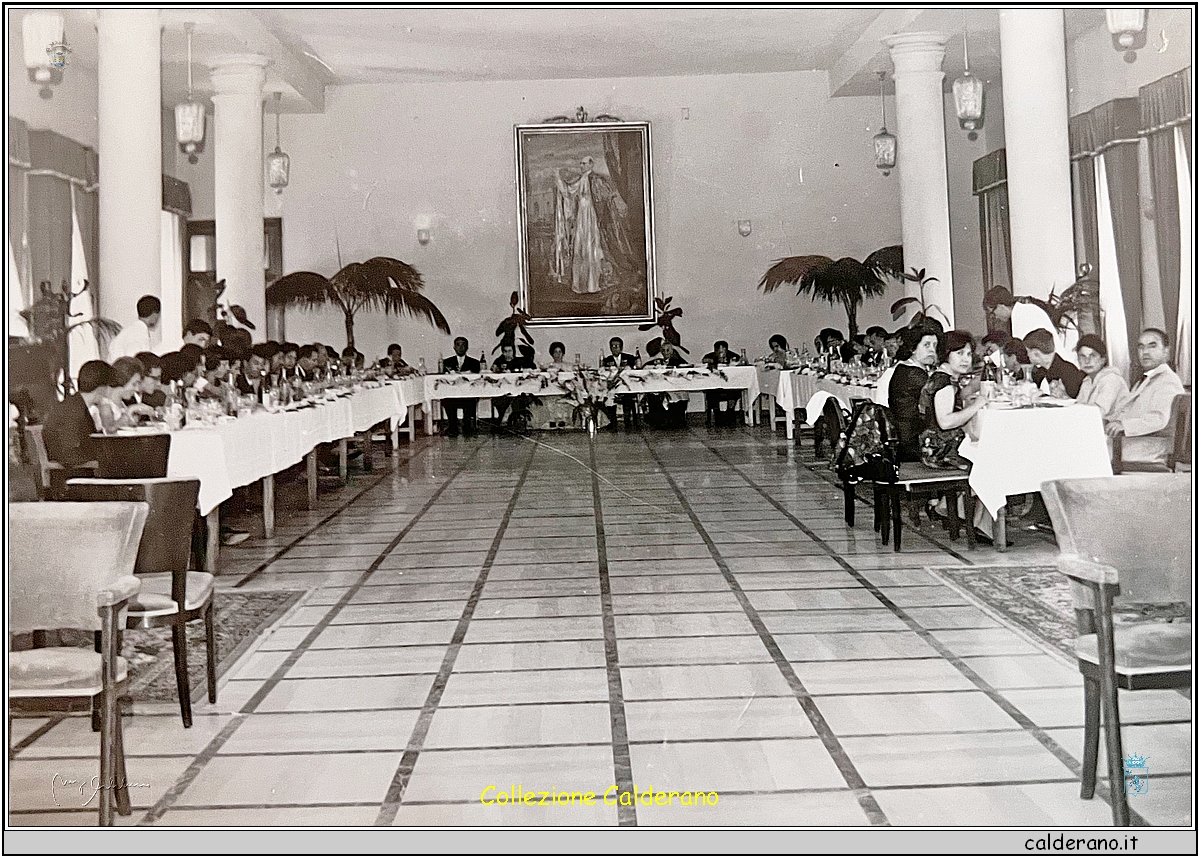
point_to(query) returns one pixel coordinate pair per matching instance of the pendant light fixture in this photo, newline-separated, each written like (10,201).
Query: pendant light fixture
(278,163)
(1128,30)
(885,142)
(968,94)
(189,116)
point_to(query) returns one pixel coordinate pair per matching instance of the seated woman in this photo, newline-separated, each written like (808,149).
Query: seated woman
(717,400)
(554,412)
(917,355)
(778,345)
(1103,385)
(942,404)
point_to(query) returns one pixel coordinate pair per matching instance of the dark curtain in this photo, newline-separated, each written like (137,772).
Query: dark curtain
(1164,104)
(989,181)
(55,160)
(1110,130)
(1087,239)
(18,207)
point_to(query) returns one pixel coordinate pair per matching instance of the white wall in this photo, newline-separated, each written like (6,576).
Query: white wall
(1096,72)
(382,155)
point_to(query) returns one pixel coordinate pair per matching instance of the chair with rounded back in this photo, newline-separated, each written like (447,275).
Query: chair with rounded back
(171,595)
(131,457)
(1125,544)
(70,566)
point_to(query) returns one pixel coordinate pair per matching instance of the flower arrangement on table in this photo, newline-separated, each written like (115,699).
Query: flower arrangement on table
(589,392)
(689,373)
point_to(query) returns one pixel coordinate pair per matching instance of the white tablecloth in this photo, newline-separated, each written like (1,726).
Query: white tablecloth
(238,452)
(1019,449)
(652,380)
(797,389)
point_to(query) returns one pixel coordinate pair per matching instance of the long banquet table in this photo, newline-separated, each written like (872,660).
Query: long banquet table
(1014,450)
(796,389)
(237,452)
(651,380)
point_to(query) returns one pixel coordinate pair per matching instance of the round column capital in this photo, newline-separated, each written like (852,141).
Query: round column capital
(239,73)
(916,52)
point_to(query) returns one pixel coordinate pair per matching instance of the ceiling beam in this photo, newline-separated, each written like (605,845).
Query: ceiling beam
(867,47)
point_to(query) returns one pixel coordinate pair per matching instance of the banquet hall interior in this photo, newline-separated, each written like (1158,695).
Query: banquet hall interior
(412,625)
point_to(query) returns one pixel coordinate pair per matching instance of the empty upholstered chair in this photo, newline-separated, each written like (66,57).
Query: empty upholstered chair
(70,566)
(171,595)
(1124,542)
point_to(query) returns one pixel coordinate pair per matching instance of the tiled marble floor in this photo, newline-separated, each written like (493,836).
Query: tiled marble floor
(685,611)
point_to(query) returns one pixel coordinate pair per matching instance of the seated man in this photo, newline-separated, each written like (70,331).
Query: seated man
(628,401)
(394,364)
(509,361)
(1142,414)
(1060,376)
(348,355)
(665,410)
(830,340)
(70,424)
(875,339)
(151,392)
(716,401)
(460,361)
(306,363)
(198,333)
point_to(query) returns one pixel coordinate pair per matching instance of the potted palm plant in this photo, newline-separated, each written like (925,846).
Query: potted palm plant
(846,282)
(380,283)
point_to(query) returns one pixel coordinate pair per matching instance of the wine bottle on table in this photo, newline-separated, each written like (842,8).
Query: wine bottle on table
(482,361)
(441,364)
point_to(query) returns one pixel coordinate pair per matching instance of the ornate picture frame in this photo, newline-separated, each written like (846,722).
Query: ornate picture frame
(585,215)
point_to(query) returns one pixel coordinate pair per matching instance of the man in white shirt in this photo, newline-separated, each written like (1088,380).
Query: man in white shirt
(1142,414)
(140,336)
(1024,318)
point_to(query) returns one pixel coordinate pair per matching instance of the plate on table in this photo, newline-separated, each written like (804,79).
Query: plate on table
(147,429)
(1052,402)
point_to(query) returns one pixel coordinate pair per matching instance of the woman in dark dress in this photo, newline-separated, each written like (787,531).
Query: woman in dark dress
(941,403)
(918,354)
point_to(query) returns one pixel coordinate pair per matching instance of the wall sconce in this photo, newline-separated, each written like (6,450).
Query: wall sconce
(1128,29)
(422,224)
(46,49)
(422,237)
(744,227)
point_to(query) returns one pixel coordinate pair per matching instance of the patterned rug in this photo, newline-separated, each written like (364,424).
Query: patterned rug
(1033,599)
(240,619)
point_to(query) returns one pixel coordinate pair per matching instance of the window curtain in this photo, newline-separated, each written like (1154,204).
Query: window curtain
(18,217)
(1166,123)
(990,183)
(56,162)
(172,226)
(1107,137)
(84,343)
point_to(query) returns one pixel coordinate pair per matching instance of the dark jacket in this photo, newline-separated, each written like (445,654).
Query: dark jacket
(520,363)
(1061,370)
(68,432)
(464,364)
(627,360)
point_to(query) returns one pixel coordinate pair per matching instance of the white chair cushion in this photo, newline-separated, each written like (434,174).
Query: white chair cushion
(58,672)
(1144,647)
(154,599)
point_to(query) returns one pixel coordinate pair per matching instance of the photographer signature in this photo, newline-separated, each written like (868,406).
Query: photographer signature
(89,787)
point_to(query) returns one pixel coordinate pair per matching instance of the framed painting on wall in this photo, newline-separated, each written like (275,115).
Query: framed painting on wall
(585,222)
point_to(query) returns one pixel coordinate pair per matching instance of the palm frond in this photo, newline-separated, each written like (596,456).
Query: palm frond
(304,288)
(400,273)
(383,283)
(106,329)
(793,269)
(887,262)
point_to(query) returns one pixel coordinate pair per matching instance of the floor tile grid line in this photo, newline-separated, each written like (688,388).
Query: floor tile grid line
(622,762)
(829,740)
(190,774)
(827,478)
(390,806)
(1036,732)
(262,567)
(52,722)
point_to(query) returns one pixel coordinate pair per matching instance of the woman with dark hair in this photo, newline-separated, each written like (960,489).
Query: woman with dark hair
(1103,385)
(917,355)
(778,345)
(942,404)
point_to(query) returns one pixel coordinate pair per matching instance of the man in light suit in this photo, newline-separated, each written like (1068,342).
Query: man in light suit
(460,361)
(1142,414)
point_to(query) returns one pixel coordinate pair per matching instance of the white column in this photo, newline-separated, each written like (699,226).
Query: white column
(238,183)
(1037,149)
(129,135)
(921,162)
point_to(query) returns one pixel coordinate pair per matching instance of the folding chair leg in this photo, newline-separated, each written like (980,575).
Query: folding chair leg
(108,715)
(885,515)
(210,642)
(1112,712)
(969,509)
(952,513)
(1091,737)
(98,700)
(179,644)
(848,493)
(878,497)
